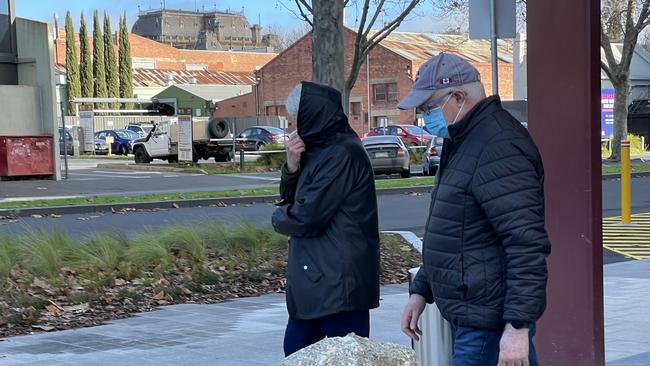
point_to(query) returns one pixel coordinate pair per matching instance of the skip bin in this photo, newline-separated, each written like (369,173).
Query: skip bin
(26,155)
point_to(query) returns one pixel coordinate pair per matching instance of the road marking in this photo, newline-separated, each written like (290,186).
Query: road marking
(632,241)
(255,177)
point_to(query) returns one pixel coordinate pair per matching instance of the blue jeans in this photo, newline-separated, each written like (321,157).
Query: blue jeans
(302,333)
(475,347)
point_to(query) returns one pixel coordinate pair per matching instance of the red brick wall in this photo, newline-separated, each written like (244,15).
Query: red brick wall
(241,106)
(170,58)
(294,65)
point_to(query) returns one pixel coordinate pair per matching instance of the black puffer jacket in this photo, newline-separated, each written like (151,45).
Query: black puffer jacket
(329,210)
(485,245)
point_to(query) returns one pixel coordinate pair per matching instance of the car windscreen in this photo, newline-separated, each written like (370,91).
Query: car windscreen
(415,130)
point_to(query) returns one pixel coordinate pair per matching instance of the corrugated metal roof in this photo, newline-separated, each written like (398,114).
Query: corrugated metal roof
(213,92)
(421,46)
(155,77)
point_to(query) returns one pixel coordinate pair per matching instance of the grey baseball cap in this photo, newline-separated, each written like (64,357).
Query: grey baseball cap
(442,71)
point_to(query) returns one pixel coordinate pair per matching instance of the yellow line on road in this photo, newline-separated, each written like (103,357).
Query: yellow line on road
(632,241)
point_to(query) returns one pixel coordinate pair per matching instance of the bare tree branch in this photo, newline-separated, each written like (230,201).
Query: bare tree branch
(606,69)
(302,12)
(360,34)
(607,48)
(395,23)
(374,18)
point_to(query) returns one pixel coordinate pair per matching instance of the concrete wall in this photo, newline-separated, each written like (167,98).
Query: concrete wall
(29,108)
(21,111)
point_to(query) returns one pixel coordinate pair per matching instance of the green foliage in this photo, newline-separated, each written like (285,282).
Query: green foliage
(415,155)
(83,297)
(148,252)
(99,65)
(85,66)
(125,66)
(9,254)
(102,253)
(272,160)
(112,78)
(45,253)
(186,241)
(636,146)
(72,76)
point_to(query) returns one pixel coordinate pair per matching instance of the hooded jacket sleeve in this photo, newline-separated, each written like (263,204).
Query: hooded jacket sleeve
(508,185)
(316,202)
(288,185)
(420,286)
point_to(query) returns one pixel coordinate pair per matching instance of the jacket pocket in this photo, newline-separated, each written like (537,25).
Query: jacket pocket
(312,273)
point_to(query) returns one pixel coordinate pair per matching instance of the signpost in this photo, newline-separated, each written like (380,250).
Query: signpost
(88,126)
(185,137)
(500,23)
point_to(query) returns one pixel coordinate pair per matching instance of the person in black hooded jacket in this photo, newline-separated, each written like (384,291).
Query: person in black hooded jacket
(328,208)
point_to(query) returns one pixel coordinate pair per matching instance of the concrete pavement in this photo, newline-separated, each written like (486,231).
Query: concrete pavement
(249,331)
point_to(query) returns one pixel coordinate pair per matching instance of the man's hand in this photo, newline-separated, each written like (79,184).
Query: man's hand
(295,148)
(411,315)
(513,350)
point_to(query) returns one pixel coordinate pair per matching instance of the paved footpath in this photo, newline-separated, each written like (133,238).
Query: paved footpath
(249,331)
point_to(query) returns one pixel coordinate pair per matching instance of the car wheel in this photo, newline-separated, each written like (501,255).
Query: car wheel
(259,146)
(425,172)
(406,173)
(172,159)
(123,150)
(141,156)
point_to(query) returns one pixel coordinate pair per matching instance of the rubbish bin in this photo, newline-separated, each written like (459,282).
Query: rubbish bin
(26,155)
(436,342)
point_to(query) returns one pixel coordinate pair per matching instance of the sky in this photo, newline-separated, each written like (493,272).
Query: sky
(271,13)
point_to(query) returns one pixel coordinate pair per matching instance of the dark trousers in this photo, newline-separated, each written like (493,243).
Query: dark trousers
(302,333)
(474,347)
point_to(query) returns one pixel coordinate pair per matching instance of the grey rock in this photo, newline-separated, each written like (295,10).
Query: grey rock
(351,350)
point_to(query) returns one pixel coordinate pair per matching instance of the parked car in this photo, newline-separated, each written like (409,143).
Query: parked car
(431,156)
(258,136)
(122,140)
(408,133)
(100,146)
(142,129)
(388,155)
(68,141)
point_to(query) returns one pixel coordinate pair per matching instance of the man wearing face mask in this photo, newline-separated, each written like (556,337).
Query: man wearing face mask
(328,209)
(485,244)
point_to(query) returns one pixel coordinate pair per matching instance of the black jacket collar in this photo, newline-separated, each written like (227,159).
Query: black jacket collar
(482,109)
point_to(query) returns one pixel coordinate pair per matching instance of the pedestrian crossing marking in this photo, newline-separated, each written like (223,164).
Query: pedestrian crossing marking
(632,241)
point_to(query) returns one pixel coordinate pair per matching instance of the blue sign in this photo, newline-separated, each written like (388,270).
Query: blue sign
(606,113)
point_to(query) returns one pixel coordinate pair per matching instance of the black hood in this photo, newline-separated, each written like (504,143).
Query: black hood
(320,114)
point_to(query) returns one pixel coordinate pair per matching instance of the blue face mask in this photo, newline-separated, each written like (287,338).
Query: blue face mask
(436,124)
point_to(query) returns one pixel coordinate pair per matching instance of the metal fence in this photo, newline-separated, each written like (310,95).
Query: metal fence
(119,122)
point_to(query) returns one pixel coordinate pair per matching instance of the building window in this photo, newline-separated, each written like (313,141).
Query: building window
(355,108)
(380,92)
(144,64)
(5,27)
(386,92)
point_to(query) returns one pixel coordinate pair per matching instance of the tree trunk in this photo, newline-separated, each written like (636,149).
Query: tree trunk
(621,91)
(327,46)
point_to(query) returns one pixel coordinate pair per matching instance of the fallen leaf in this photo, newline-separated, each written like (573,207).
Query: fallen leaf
(40,283)
(186,291)
(55,216)
(52,309)
(160,296)
(37,216)
(77,309)
(119,282)
(175,205)
(137,282)
(46,328)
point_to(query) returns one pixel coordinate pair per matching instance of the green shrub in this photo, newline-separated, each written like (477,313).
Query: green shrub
(148,252)
(45,253)
(9,255)
(415,155)
(185,240)
(272,160)
(83,297)
(102,253)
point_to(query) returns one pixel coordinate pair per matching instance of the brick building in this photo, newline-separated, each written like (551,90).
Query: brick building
(385,78)
(215,30)
(149,54)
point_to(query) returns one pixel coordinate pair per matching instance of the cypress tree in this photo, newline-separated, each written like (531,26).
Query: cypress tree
(71,64)
(99,67)
(86,67)
(126,69)
(112,80)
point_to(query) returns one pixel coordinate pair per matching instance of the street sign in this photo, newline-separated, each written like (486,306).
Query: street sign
(88,126)
(185,137)
(505,12)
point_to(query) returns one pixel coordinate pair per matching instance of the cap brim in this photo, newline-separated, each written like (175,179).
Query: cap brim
(415,98)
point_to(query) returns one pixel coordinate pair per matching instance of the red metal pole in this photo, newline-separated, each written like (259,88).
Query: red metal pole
(563,92)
